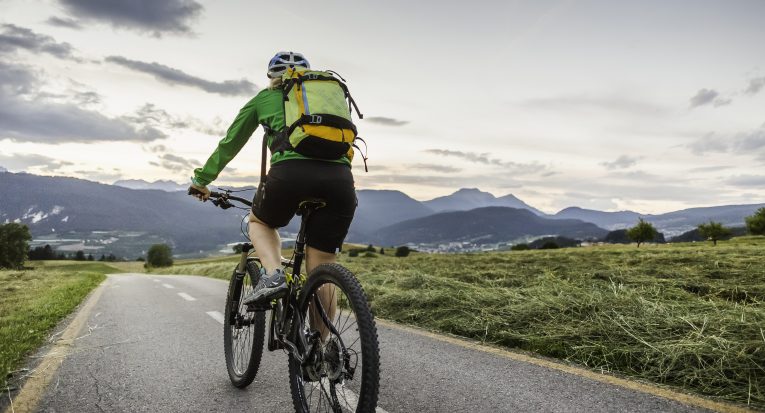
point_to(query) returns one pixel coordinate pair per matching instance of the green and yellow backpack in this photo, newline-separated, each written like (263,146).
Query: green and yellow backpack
(317,110)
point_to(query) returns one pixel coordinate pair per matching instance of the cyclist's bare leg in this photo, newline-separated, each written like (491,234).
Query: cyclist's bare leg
(267,243)
(326,293)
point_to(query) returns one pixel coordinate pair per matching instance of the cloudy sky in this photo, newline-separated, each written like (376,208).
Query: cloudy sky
(645,105)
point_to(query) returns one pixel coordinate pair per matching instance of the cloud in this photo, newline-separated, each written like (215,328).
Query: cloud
(459,181)
(435,167)
(152,116)
(22,162)
(64,22)
(26,115)
(151,16)
(624,161)
(708,96)
(13,38)
(710,168)
(175,163)
(757,181)
(709,143)
(483,158)
(172,76)
(755,85)
(101,175)
(585,102)
(382,120)
(739,144)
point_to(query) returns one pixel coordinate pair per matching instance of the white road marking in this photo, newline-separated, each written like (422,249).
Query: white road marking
(346,397)
(167,286)
(216,315)
(187,297)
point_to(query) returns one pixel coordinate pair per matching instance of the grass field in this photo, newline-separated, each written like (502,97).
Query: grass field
(33,301)
(690,315)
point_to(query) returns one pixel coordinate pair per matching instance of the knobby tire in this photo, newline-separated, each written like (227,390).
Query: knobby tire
(252,343)
(369,357)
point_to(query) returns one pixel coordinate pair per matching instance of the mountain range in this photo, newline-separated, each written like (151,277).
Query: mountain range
(386,217)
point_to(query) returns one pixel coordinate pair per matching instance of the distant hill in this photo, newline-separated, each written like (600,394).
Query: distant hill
(59,204)
(162,185)
(52,205)
(471,198)
(378,209)
(483,225)
(671,223)
(608,220)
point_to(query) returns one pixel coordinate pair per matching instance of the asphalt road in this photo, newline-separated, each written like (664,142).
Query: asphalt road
(153,344)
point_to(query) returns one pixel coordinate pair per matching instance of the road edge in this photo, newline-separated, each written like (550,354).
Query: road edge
(37,380)
(652,389)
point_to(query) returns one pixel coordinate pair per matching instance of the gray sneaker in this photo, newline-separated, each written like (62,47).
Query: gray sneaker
(268,288)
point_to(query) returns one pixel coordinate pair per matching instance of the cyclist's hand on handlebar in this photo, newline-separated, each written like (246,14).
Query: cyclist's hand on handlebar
(199,191)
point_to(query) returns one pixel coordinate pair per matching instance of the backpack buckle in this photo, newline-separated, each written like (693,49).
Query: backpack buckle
(315,119)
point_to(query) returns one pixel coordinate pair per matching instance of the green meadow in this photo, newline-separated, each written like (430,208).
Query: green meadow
(34,300)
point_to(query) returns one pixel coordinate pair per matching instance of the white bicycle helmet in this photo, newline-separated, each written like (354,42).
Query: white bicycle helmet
(283,60)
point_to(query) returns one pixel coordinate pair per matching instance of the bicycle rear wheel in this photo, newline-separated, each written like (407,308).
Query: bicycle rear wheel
(342,375)
(243,331)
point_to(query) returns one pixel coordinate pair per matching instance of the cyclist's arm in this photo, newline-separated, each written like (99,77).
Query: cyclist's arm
(238,134)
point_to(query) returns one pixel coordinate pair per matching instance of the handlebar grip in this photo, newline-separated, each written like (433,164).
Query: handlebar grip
(214,194)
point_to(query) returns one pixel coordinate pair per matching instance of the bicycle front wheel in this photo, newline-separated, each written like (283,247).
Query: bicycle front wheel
(341,374)
(243,331)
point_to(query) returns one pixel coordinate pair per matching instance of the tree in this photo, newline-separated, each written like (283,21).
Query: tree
(159,255)
(370,248)
(714,231)
(79,256)
(756,223)
(642,232)
(382,251)
(520,247)
(402,251)
(90,257)
(237,248)
(14,245)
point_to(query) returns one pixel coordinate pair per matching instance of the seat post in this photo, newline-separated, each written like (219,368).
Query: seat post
(300,240)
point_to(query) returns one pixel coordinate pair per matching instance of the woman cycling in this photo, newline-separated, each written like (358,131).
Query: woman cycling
(291,179)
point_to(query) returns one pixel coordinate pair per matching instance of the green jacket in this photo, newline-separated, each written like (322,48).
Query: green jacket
(265,108)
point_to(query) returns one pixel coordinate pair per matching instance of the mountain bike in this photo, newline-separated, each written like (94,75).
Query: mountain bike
(324,324)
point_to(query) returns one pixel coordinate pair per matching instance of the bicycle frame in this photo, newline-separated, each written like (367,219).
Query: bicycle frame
(283,334)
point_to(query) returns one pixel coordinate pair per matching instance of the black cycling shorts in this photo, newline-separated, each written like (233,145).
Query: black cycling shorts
(290,182)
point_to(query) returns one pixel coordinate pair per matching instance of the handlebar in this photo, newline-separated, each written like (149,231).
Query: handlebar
(225,197)
(221,200)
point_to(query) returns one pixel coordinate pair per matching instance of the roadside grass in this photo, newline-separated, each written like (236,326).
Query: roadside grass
(33,301)
(687,315)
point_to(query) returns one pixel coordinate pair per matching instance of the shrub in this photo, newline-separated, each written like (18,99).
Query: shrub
(14,244)
(549,245)
(520,247)
(353,253)
(756,222)
(159,255)
(370,248)
(402,251)
(370,254)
